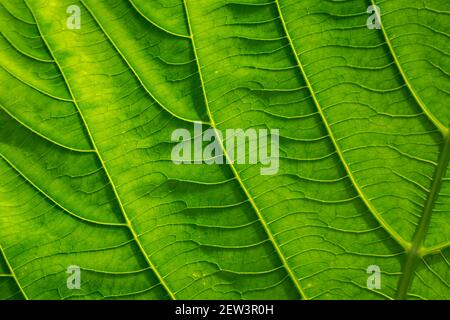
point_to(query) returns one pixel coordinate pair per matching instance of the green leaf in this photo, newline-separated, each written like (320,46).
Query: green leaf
(86,177)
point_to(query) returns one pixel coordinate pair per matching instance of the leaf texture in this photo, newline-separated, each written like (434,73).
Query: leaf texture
(86,177)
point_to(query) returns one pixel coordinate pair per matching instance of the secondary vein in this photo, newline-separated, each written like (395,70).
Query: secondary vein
(264,224)
(443,129)
(130,66)
(417,251)
(13,274)
(119,201)
(404,244)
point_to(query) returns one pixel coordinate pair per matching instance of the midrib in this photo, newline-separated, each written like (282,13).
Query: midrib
(414,253)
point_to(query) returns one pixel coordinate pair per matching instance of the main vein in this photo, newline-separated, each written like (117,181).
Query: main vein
(414,254)
(404,244)
(264,224)
(125,216)
(420,233)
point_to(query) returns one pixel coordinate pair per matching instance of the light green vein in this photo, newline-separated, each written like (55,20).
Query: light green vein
(434,249)
(430,115)
(264,224)
(33,86)
(416,250)
(156,24)
(22,51)
(340,154)
(11,270)
(119,201)
(132,68)
(42,135)
(46,195)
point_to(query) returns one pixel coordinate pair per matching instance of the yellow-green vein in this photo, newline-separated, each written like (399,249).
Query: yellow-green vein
(416,251)
(132,68)
(264,224)
(125,216)
(13,274)
(404,244)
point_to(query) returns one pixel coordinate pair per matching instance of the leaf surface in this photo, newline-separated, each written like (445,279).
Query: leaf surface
(86,176)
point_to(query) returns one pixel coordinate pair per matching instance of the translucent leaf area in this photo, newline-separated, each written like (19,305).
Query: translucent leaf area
(86,176)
